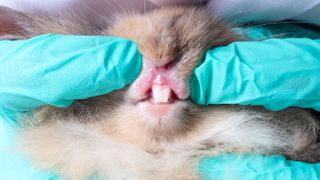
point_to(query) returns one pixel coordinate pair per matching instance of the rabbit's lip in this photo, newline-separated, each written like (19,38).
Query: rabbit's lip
(156,109)
(160,110)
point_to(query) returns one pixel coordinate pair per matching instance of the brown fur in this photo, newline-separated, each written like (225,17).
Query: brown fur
(107,136)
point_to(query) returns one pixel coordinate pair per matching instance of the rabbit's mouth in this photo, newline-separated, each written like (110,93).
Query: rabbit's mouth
(158,90)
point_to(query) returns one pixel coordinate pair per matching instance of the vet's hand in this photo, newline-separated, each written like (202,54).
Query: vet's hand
(57,69)
(274,73)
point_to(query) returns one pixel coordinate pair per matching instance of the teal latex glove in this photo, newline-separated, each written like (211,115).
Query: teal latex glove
(254,167)
(275,73)
(70,67)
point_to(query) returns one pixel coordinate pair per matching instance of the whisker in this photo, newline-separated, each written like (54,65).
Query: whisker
(121,6)
(96,14)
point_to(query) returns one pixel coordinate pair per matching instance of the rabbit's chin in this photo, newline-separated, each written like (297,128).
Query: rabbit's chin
(162,116)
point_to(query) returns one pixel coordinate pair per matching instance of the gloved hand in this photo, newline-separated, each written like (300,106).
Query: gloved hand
(70,67)
(84,67)
(275,73)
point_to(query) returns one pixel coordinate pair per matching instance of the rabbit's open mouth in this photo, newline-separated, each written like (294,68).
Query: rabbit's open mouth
(159,85)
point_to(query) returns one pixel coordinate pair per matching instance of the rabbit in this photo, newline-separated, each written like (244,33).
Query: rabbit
(151,129)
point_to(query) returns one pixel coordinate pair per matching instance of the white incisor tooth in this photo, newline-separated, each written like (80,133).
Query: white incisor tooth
(161,93)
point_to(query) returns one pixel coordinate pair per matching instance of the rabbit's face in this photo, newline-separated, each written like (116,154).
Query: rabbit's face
(172,41)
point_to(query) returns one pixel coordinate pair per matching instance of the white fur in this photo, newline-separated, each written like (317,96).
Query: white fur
(77,150)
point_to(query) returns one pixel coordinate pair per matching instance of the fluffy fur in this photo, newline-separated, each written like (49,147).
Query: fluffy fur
(107,136)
